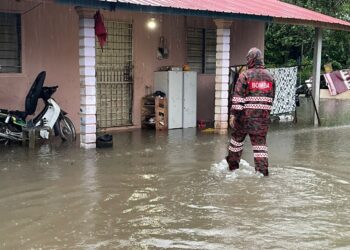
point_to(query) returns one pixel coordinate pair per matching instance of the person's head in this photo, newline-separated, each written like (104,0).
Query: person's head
(255,58)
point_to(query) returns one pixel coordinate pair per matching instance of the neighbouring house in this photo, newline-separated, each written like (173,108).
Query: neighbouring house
(101,88)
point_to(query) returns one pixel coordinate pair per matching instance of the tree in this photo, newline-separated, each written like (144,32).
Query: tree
(288,45)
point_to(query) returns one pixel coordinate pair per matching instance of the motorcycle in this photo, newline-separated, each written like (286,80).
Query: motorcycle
(51,118)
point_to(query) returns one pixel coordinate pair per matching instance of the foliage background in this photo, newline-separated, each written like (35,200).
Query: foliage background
(289,45)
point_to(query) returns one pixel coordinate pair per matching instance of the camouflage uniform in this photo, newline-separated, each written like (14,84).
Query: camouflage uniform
(251,106)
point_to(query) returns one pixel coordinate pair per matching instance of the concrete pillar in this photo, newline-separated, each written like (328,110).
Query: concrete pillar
(87,78)
(222,76)
(317,73)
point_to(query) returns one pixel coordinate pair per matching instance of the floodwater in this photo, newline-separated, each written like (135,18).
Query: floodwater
(172,190)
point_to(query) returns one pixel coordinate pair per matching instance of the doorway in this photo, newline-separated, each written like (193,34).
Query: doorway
(114,77)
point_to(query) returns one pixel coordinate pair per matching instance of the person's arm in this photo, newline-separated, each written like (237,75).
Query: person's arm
(238,97)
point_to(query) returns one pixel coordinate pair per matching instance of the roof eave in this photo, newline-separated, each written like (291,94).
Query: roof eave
(323,25)
(201,13)
(112,6)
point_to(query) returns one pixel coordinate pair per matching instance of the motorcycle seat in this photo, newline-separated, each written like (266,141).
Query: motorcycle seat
(4,111)
(19,114)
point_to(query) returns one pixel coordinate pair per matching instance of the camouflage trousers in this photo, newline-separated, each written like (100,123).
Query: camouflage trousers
(257,132)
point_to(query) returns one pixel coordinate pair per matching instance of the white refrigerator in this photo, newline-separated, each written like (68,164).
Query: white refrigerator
(180,88)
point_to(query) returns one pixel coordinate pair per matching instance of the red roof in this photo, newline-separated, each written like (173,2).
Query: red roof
(277,10)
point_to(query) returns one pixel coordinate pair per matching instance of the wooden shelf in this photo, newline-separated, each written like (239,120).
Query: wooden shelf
(154,113)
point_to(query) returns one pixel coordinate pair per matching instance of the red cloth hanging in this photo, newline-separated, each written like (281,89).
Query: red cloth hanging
(100,29)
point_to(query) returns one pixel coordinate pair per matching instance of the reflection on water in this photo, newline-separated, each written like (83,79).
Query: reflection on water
(173,191)
(332,112)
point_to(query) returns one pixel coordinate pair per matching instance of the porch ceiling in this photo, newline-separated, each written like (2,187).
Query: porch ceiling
(267,10)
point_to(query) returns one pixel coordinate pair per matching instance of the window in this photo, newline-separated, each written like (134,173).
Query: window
(201,50)
(10,43)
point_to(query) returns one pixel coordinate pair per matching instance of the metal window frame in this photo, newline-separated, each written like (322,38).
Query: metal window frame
(17,67)
(204,41)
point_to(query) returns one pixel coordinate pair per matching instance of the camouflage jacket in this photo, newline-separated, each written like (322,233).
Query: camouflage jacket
(253,95)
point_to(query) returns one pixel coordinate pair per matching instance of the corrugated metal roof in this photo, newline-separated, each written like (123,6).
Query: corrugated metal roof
(263,9)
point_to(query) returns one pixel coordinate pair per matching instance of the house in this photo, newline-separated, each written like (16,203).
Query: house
(101,88)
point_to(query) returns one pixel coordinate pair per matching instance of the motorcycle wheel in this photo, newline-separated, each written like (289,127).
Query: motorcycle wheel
(3,130)
(10,133)
(66,129)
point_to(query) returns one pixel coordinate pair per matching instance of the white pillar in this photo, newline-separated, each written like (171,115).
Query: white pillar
(87,78)
(222,76)
(317,73)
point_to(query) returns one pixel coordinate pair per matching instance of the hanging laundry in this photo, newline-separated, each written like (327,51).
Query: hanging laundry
(100,29)
(338,81)
(346,76)
(285,80)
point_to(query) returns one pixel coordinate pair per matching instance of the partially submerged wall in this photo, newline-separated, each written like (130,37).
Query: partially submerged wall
(50,43)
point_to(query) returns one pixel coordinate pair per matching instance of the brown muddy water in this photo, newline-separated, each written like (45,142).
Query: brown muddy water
(173,191)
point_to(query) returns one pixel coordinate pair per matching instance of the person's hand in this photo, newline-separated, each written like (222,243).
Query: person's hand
(232,121)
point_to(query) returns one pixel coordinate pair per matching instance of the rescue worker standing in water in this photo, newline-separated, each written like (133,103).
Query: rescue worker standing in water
(252,100)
